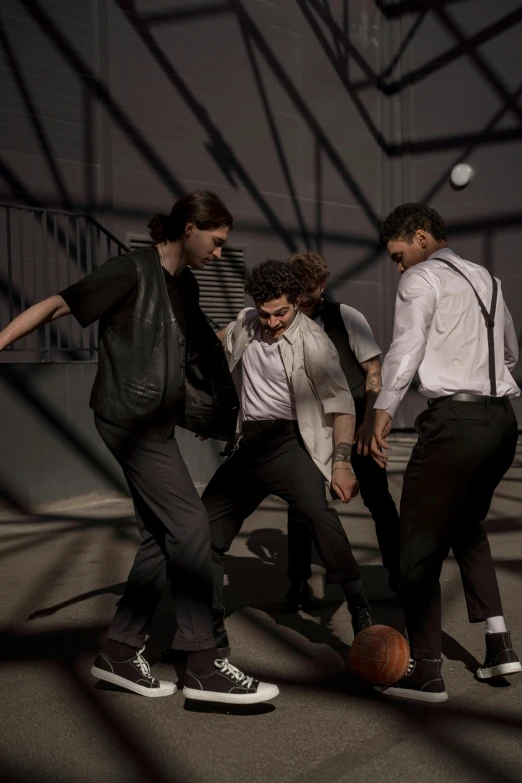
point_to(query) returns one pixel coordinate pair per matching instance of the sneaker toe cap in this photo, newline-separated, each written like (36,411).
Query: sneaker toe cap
(267,690)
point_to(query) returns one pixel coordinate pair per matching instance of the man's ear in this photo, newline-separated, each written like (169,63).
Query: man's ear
(422,238)
(189,228)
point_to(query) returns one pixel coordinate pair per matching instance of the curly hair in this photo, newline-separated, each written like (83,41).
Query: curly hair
(311,268)
(202,207)
(272,280)
(405,220)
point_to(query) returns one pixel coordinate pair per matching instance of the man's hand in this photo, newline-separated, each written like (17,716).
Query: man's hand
(344,482)
(381,429)
(363,436)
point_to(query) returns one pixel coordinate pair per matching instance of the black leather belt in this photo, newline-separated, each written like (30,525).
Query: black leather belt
(468,397)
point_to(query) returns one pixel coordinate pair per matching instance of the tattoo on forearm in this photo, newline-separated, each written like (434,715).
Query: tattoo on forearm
(343,452)
(374,381)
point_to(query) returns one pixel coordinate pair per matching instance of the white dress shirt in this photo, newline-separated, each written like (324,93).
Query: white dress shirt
(266,390)
(314,373)
(440,331)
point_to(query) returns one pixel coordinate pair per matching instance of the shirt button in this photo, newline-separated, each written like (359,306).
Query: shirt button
(182,387)
(182,341)
(182,364)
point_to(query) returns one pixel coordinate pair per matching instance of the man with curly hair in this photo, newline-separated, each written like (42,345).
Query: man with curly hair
(359,355)
(295,430)
(453,327)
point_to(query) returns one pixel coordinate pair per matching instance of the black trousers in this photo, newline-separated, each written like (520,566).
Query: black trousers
(175,541)
(375,495)
(274,461)
(463,451)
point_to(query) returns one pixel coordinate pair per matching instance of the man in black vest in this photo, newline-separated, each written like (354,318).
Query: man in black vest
(160,365)
(359,355)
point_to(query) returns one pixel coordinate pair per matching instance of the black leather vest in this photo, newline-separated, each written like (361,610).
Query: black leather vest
(149,379)
(330,313)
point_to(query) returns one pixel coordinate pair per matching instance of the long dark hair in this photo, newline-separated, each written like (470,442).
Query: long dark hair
(202,207)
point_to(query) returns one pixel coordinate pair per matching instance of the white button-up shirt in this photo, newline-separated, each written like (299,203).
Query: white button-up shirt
(440,331)
(312,367)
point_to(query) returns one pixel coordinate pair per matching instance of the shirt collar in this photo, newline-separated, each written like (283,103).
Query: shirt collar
(444,251)
(291,333)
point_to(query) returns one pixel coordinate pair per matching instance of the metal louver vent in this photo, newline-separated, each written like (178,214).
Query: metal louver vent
(221,285)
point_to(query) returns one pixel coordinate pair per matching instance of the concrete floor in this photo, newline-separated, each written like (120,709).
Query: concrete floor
(61,575)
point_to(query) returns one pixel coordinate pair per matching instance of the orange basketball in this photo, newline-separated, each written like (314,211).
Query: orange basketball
(380,655)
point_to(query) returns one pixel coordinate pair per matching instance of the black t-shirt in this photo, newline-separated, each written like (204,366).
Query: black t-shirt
(109,293)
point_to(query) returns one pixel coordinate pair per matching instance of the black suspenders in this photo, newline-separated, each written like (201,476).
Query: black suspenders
(489,318)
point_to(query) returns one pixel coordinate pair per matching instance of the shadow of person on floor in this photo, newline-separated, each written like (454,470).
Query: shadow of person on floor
(261,582)
(454,651)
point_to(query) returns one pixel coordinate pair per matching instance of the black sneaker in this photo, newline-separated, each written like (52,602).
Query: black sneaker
(361,613)
(422,682)
(228,685)
(299,596)
(133,675)
(501,658)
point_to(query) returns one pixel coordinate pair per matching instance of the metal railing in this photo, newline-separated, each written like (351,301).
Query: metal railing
(42,251)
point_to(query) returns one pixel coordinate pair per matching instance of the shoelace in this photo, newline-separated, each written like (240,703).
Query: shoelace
(226,668)
(142,664)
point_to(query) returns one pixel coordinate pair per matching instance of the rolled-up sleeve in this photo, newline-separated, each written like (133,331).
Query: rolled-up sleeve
(324,370)
(414,310)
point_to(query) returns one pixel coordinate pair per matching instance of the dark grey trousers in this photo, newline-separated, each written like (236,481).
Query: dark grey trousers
(463,451)
(175,545)
(274,461)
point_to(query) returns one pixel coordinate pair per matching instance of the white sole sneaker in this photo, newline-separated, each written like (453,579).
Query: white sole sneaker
(498,671)
(265,692)
(405,693)
(166,688)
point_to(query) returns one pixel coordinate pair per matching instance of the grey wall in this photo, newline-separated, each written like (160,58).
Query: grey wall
(312,120)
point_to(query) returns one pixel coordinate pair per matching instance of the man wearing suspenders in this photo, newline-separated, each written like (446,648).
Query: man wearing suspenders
(359,356)
(453,327)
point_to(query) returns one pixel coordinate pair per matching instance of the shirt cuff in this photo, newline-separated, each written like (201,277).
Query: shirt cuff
(388,401)
(341,403)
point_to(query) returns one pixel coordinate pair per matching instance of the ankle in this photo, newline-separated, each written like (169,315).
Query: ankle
(118,651)
(201,662)
(353,589)
(496,624)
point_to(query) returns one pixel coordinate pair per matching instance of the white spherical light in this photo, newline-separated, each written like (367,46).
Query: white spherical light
(461,175)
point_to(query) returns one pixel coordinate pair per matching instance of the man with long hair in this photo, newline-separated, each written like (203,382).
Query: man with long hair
(160,365)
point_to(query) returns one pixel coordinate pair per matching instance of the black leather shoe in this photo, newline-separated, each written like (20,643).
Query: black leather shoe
(501,658)
(361,613)
(422,682)
(299,596)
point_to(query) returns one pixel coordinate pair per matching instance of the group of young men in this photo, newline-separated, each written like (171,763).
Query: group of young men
(295,385)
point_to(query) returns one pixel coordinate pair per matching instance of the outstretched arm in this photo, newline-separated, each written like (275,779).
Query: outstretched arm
(42,313)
